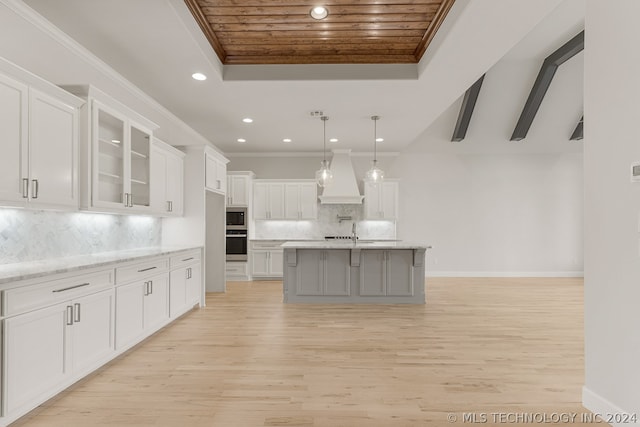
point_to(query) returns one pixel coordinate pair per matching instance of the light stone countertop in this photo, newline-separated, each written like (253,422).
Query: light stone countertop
(35,269)
(348,244)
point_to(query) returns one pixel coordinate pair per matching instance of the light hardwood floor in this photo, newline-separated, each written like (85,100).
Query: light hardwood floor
(479,346)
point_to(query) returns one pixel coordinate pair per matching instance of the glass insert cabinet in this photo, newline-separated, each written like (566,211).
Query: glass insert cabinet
(121,161)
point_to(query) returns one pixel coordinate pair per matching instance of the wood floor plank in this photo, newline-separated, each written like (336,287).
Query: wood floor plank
(483,346)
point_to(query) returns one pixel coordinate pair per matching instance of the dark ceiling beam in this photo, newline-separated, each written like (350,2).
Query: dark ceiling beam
(466,110)
(542,83)
(578,133)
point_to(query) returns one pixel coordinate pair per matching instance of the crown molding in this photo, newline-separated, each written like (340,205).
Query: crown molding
(305,154)
(44,25)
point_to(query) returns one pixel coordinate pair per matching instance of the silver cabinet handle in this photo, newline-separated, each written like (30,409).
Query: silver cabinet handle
(170,206)
(187,259)
(186,273)
(146,269)
(130,200)
(150,287)
(71,287)
(69,315)
(126,200)
(76,312)
(25,188)
(146,288)
(34,188)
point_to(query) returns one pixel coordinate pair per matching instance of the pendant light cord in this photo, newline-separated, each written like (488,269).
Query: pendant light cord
(324,138)
(375,137)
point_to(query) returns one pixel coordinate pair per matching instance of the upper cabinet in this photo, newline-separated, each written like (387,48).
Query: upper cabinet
(115,153)
(215,172)
(167,179)
(381,200)
(282,199)
(239,188)
(39,133)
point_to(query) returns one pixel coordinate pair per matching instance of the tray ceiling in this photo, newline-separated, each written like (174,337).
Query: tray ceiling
(354,32)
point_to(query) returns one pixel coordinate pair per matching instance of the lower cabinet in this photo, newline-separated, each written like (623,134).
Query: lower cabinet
(45,348)
(386,273)
(266,259)
(185,287)
(141,307)
(323,272)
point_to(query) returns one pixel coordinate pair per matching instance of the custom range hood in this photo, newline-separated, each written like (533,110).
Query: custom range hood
(344,187)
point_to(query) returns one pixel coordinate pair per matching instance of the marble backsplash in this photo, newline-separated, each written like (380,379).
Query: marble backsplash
(327,224)
(27,235)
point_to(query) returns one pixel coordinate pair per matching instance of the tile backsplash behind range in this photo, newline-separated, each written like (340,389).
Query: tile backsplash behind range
(327,224)
(27,235)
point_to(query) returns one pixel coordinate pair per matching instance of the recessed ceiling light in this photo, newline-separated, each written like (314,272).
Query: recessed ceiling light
(247,120)
(199,76)
(379,139)
(319,12)
(286,140)
(241,140)
(115,141)
(333,140)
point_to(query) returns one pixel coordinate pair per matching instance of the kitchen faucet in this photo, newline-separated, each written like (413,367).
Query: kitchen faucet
(354,233)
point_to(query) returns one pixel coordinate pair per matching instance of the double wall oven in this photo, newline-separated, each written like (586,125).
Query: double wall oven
(237,234)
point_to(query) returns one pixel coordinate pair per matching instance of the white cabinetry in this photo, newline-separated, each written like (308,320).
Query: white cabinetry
(52,345)
(386,273)
(115,155)
(185,284)
(301,200)
(266,258)
(167,179)
(381,200)
(38,154)
(323,272)
(239,188)
(285,199)
(215,172)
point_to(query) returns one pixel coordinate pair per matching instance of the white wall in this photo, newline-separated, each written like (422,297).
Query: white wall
(492,207)
(612,207)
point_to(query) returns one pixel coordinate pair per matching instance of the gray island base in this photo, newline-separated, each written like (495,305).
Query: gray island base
(346,272)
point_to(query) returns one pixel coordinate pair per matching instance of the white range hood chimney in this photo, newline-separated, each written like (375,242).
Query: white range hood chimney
(344,187)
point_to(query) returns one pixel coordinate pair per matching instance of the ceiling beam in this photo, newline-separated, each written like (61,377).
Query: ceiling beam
(466,110)
(578,133)
(542,83)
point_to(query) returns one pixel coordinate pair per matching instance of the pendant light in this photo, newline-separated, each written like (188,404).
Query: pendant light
(324,175)
(375,174)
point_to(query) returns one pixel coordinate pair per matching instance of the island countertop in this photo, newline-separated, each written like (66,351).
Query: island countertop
(348,244)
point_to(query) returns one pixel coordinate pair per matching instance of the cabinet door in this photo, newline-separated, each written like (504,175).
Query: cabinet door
(276,262)
(140,169)
(276,200)
(108,158)
(35,350)
(156,302)
(337,272)
(238,190)
(399,272)
(373,272)
(372,201)
(308,200)
(221,172)
(53,145)
(129,313)
(215,174)
(92,330)
(260,263)
(389,199)
(177,292)
(175,184)
(310,272)
(14,120)
(291,201)
(260,200)
(194,285)
(159,182)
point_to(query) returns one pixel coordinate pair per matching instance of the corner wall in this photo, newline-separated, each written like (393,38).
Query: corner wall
(612,207)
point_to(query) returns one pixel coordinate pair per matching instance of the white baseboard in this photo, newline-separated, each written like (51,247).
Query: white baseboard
(504,274)
(607,410)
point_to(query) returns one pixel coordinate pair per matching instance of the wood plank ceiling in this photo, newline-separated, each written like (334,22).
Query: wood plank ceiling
(354,32)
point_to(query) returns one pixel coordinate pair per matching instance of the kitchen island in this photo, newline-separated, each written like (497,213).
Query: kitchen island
(387,272)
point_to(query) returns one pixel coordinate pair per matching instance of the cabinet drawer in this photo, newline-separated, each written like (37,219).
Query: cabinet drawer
(237,269)
(142,270)
(185,259)
(267,245)
(43,294)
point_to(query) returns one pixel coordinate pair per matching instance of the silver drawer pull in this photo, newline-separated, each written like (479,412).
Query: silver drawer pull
(146,269)
(69,315)
(76,312)
(25,188)
(188,259)
(71,287)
